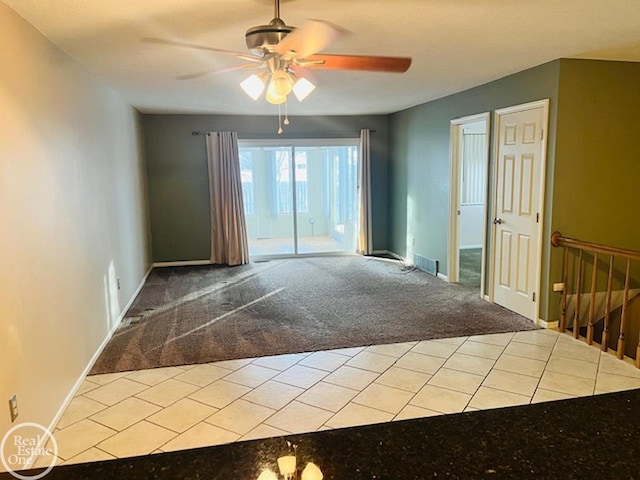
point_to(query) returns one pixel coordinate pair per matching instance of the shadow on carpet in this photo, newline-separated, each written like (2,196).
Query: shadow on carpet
(189,315)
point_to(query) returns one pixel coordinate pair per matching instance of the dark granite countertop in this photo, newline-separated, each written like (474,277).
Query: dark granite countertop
(583,438)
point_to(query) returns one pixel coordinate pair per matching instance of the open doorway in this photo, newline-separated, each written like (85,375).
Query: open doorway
(468,213)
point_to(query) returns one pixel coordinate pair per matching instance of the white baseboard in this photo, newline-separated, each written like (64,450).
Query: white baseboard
(185,263)
(443,277)
(470,247)
(550,325)
(94,359)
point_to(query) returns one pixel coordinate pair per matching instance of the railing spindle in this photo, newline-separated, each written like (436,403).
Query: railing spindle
(607,307)
(576,316)
(565,285)
(592,302)
(625,312)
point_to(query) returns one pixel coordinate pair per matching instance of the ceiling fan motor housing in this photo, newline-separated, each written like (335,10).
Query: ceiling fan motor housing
(264,38)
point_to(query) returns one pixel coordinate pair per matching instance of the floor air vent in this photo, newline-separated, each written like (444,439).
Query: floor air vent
(426,264)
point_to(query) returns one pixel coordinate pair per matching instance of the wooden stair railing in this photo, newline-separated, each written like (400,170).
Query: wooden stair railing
(557,240)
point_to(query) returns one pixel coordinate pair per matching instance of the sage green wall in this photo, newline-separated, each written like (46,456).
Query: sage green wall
(178,182)
(597,168)
(419,161)
(598,152)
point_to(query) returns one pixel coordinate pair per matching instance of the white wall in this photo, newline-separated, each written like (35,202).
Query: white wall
(471,226)
(72,219)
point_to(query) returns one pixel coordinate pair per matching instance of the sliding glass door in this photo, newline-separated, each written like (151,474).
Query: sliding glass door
(300,198)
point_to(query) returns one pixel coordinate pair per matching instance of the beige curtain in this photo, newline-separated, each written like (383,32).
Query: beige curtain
(229,245)
(365,242)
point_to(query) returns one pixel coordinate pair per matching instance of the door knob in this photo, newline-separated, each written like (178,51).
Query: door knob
(498,221)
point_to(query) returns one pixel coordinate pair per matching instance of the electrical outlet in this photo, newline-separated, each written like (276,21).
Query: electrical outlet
(13,407)
(558,287)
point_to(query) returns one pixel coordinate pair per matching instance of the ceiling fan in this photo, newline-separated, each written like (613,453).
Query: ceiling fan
(282,54)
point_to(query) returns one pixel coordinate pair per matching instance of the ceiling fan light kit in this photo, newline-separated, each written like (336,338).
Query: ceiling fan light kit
(302,88)
(279,84)
(254,85)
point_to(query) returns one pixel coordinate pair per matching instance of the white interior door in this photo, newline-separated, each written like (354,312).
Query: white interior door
(518,206)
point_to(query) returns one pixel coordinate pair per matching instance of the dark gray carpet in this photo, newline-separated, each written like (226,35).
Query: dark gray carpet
(188,315)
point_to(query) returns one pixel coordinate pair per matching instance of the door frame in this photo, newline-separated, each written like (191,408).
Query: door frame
(544,104)
(455,162)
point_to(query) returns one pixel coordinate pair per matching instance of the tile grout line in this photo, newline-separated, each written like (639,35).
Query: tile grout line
(379,374)
(457,391)
(546,364)
(468,404)
(272,379)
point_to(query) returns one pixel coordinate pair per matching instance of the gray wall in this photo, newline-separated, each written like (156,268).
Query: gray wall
(177,172)
(419,167)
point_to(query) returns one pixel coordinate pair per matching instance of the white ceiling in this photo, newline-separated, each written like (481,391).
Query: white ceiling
(455,45)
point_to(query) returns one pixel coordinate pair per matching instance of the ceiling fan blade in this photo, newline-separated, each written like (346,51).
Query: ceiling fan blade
(312,37)
(162,41)
(357,62)
(191,76)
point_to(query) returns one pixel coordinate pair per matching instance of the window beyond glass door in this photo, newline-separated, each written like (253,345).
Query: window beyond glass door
(326,189)
(268,205)
(300,199)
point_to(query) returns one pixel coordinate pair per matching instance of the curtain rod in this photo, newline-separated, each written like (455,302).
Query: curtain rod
(298,133)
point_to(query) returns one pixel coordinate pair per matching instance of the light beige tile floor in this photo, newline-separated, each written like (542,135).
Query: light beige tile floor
(166,409)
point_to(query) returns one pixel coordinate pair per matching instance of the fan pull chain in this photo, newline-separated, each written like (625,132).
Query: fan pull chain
(279,120)
(286,112)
